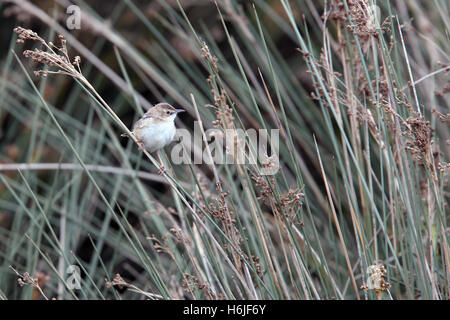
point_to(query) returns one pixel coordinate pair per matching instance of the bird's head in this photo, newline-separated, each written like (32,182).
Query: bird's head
(164,112)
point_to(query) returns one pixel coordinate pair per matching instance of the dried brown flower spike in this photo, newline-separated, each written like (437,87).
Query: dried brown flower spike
(52,56)
(376,280)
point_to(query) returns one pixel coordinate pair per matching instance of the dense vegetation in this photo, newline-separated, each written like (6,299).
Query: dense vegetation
(357,89)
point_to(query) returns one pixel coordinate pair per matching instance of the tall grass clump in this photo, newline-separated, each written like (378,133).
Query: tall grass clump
(354,91)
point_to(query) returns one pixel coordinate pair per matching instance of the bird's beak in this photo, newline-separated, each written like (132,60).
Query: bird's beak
(180,110)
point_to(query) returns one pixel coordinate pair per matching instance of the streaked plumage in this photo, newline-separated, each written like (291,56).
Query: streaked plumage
(156,128)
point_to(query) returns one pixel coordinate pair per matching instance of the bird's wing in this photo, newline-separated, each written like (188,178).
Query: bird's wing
(141,122)
(138,124)
(146,115)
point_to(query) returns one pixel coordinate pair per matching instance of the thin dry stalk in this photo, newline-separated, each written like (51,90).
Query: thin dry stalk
(336,222)
(27,279)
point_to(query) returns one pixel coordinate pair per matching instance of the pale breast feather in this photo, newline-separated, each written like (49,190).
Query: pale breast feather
(155,136)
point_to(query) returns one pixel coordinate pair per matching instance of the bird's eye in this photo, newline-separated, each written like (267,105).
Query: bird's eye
(168,113)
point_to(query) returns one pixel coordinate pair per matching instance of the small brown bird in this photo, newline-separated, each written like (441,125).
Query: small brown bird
(156,128)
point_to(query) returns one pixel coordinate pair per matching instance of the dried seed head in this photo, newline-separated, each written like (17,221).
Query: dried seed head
(206,54)
(25,34)
(376,281)
(50,55)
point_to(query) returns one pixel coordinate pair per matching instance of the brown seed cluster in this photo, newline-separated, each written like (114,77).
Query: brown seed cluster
(179,236)
(289,201)
(120,283)
(219,209)
(37,282)
(442,117)
(117,281)
(26,34)
(191,282)
(376,281)
(265,187)
(223,112)
(206,54)
(255,261)
(292,198)
(51,56)
(363,18)
(27,279)
(337,12)
(420,135)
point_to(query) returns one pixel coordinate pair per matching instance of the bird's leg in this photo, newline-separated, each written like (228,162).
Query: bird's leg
(141,145)
(162,170)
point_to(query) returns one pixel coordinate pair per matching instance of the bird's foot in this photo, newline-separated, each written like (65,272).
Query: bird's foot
(162,170)
(140,145)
